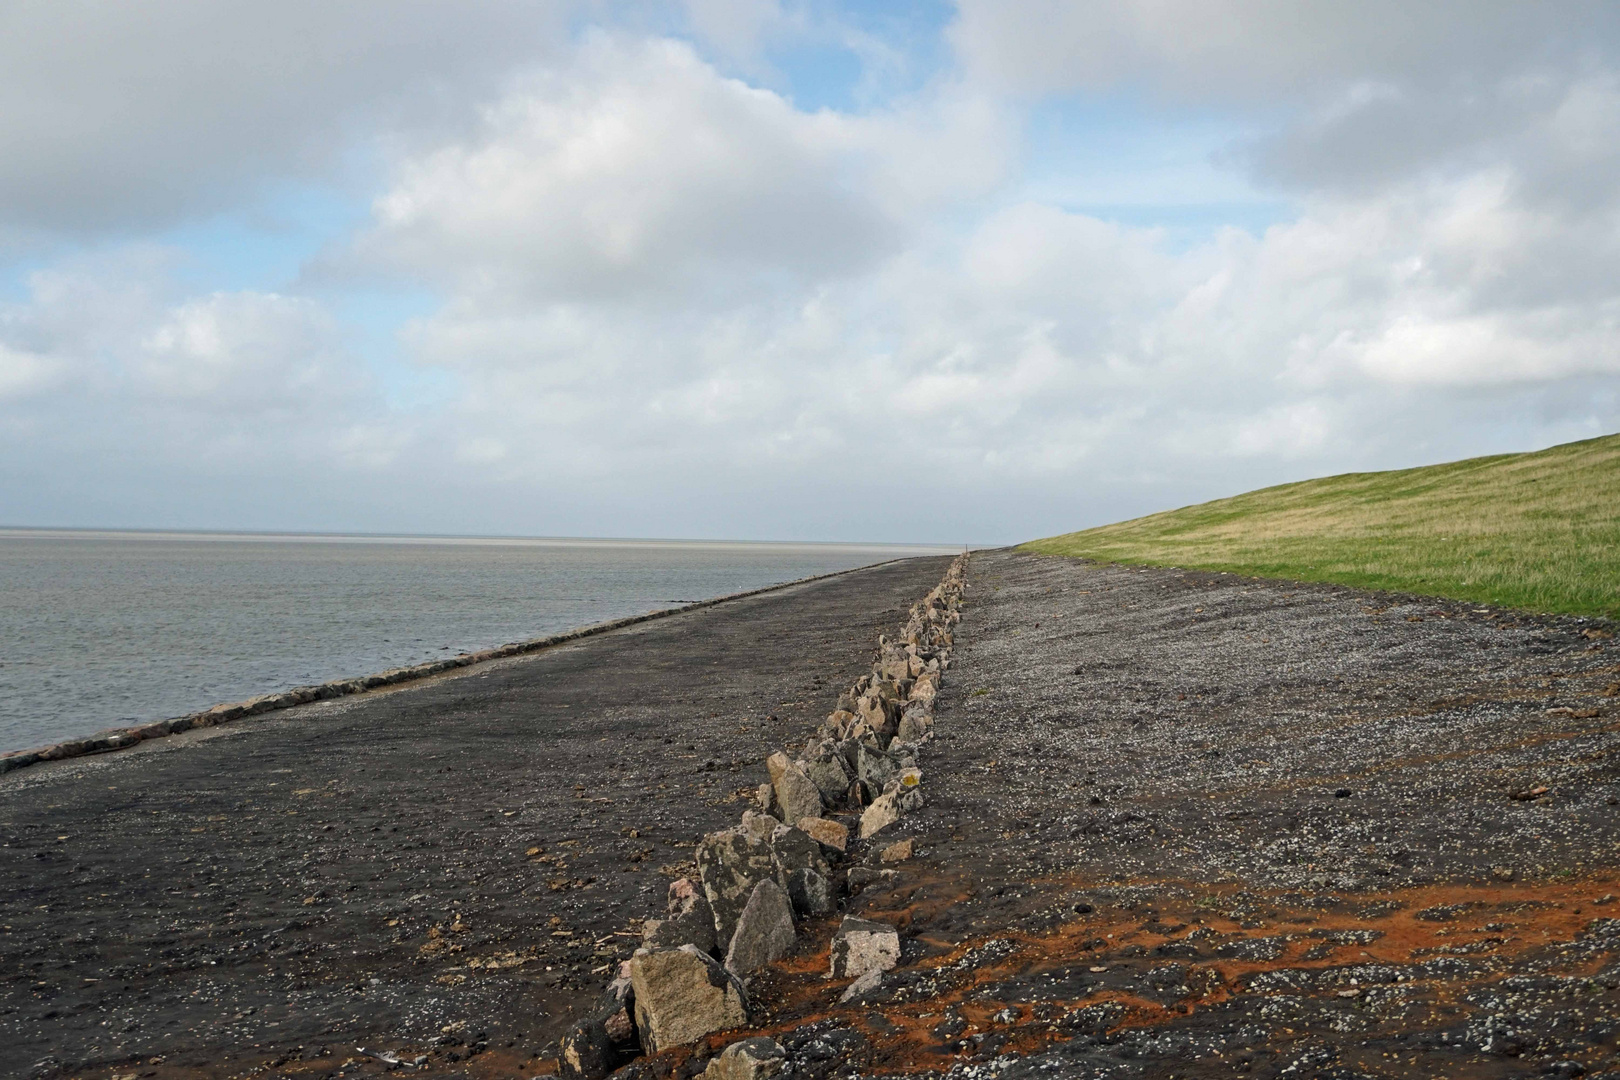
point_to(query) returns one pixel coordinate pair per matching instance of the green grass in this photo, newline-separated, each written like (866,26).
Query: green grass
(1538,531)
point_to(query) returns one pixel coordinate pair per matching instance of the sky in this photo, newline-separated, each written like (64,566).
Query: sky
(759,269)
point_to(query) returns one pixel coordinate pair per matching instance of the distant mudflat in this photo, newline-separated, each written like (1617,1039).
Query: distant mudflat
(107,629)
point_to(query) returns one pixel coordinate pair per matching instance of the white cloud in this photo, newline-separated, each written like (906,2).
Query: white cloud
(639,169)
(675,302)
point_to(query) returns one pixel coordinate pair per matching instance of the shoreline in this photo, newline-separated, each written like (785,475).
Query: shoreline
(122,738)
(454,860)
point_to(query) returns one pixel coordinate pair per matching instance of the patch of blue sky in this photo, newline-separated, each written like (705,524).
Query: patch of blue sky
(270,246)
(266,245)
(373,319)
(1125,160)
(860,55)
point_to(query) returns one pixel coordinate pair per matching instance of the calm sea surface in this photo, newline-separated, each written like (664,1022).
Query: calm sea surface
(102,629)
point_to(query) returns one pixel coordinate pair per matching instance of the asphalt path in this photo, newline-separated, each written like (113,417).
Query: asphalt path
(449,864)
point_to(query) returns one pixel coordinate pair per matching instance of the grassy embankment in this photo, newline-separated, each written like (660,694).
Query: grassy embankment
(1538,531)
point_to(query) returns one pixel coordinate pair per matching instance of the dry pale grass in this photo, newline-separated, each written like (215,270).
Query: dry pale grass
(1539,531)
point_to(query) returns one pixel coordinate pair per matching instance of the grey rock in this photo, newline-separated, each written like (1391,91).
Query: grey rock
(730,863)
(758,1058)
(860,946)
(760,826)
(794,849)
(796,792)
(861,986)
(884,811)
(916,721)
(764,931)
(682,995)
(830,774)
(810,891)
(874,768)
(690,921)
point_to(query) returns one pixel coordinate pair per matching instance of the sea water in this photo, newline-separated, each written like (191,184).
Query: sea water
(105,629)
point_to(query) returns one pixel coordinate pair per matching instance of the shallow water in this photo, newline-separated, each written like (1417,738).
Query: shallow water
(103,629)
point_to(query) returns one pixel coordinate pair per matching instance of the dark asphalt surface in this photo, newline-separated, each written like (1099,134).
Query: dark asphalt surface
(447,861)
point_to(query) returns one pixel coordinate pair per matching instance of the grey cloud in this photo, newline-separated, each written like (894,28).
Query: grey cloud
(1259,51)
(127,116)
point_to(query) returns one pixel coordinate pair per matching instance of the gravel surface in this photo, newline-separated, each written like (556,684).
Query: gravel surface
(1191,824)
(438,869)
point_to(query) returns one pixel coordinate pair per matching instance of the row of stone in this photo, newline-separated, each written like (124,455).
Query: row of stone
(121,738)
(690,976)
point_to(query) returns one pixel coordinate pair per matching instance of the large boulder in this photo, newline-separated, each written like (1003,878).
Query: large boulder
(758,1058)
(860,946)
(730,863)
(796,793)
(895,665)
(764,931)
(682,995)
(878,714)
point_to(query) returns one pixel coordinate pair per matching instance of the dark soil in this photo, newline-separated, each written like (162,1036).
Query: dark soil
(1190,824)
(438,869)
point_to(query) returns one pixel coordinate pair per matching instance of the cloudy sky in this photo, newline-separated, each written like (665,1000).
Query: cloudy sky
(779,270)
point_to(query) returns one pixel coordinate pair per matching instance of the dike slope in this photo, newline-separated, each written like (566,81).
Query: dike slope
(1539,531)
(447,867)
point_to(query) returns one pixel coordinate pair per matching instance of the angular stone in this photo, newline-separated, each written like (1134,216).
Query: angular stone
(860,946)
(793,849)
(760,826)
(758,1058)
(730,863)
(894,666)
(690,921)
(797,793)
(767,798)
(861,986)
(873,768)
(916,721)
(621,1027)
(586,1052)
(875,712)
(884,811)
(764,931)
(810,891)
(926,688)
(682,995)
(830,775)
(897,852)
(826,832)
